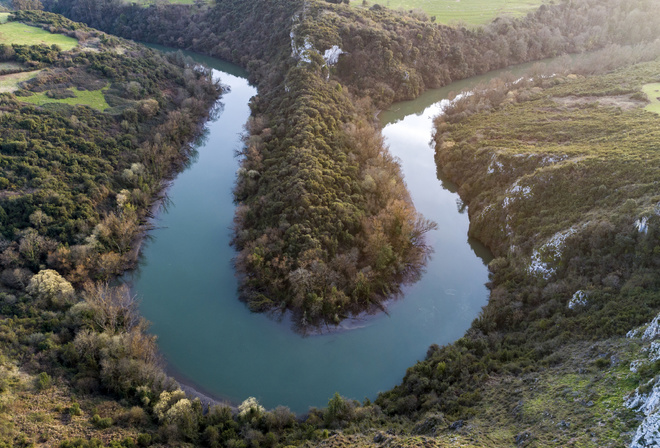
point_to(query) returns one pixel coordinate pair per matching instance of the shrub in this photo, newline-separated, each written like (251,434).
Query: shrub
(101,423)
(340,411)
(280,418)
(250,408)
(50,287)
(144,439)
(602,363)
(44,381)
(136,416)
(74,409)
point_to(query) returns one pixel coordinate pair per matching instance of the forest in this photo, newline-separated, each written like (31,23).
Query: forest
(78,185)
(324,225)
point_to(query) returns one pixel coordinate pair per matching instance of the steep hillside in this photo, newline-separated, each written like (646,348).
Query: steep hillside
(89,137)
(78,152)
(561,178)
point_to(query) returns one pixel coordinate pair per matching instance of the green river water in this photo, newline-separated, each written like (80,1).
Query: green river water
(210,339)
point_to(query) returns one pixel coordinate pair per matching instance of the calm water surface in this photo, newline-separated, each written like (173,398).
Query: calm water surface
(212,341)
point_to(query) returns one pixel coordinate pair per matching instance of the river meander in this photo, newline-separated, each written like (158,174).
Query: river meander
(210,339)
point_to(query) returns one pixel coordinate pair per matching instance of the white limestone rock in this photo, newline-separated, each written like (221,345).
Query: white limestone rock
(579,299)
(648,433)
(642,225)
(331,55)
(653,330)
(550,251)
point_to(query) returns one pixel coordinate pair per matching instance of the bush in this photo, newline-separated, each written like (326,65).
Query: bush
(50,287)
(602,363)
(144,439)
(136,416)
(74,409)
(339,411)
(60,94)
(44,381)
(101,423)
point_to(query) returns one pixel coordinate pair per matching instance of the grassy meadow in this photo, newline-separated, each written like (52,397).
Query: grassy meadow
(9,83)
(468,12)
(10,67)
(450,12)
(91,98)
(3,17)
(18,33)
(652,91)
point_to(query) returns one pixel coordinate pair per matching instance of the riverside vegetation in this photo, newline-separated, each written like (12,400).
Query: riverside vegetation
(529,372)
(88,139)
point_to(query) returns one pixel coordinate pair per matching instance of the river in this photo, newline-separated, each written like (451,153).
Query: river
(210,339)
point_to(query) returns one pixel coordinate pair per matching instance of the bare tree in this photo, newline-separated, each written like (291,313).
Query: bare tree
(115,308)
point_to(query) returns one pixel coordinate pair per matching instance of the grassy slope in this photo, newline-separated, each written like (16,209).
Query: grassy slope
(567,124)
(469,12)
(19,33)
(46,416)
(3,17)
(576,403)
(9,83)
(93,98)
(652,91)
(589,164)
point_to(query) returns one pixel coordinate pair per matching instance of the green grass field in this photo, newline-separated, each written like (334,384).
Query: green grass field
(9,83)
(91,98)
(468,12)
(18,33)
(652,91)
(3,17)
(10,66)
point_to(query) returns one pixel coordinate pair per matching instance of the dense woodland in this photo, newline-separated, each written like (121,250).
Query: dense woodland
(78,182)
(312,134)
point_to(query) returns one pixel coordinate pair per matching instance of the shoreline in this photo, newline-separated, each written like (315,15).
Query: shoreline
(206,400)
(194,390)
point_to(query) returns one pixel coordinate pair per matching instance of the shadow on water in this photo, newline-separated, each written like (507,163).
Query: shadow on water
(477,246)
(217,64)
(445,182)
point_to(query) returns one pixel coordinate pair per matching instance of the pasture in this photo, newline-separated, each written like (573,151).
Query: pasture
(461,12)
(9,83)
(652,91)
(21,34)
(91,98)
